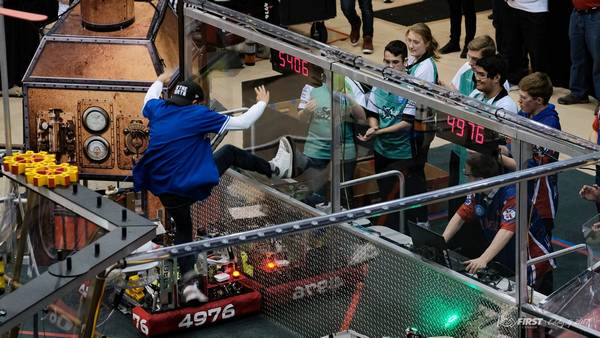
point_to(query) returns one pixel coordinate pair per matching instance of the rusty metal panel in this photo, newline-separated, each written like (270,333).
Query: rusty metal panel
(167,41)
(94,61)
(123,134)
(106,13)
(144,12)
(106,134)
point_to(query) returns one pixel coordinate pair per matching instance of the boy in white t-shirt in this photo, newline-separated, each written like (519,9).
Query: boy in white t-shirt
(490,74)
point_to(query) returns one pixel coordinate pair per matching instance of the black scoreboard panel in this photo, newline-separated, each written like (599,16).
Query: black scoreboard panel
(467,134)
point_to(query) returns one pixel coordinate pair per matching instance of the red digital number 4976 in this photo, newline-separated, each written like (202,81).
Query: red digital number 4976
(457,127)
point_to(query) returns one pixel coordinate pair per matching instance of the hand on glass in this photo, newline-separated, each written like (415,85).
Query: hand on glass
(590,193)
(368,134)
(262,94)
(476,264)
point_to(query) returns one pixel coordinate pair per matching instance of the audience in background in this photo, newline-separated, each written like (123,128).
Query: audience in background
(535,91)
(584,33)
(559,61)
(490,74)
(458,8)
(524,29)
(366,10)
(391,129)
(464,82)
(421,63)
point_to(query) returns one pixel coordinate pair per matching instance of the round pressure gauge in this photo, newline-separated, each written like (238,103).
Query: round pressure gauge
(96,148)
(95,119)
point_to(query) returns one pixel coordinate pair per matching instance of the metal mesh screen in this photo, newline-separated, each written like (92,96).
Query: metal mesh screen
(329,280)
(236,205)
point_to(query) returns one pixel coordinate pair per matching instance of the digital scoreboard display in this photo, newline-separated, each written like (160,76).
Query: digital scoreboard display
(467,134)
(289,64)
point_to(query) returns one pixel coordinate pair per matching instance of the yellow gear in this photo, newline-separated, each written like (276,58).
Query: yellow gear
(40,169)
(18,162)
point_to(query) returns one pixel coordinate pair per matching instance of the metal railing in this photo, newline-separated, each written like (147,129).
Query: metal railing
(377,176)
(217,139)
(367,211)
(562,252)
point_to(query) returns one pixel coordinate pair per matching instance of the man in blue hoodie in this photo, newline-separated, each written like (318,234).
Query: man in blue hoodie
(535,91)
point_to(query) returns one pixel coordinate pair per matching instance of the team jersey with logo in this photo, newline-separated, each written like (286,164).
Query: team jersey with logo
(389,109)
(179,158)
(500,212)
(318,143)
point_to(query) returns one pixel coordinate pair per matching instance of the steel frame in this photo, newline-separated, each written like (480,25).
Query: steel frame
(127,231)
(522,131)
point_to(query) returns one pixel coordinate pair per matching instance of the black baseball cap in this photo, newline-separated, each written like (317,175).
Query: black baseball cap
(186,92)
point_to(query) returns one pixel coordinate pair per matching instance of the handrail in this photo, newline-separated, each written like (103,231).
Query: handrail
(561,252)
(214,143)
(367,211)
(384,174)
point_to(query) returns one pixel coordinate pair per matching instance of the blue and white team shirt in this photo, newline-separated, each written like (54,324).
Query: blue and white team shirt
(179,158)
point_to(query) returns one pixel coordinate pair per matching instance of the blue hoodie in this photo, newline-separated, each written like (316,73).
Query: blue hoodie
(548,116)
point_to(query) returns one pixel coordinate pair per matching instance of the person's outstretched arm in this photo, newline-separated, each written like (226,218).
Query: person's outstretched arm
(248,118)
(156,88)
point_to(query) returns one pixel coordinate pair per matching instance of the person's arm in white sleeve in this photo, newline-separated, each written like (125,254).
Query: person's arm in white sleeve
(248,118)
(156,88)
(154,91)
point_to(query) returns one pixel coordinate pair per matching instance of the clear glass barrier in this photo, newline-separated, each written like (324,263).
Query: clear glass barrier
(230,67)
(54,234)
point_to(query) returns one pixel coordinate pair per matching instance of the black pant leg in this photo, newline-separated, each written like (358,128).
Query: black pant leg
(498,22)
(179,209)
(534,27)
(229,155)
(468,10)
(513,46)
(455,19)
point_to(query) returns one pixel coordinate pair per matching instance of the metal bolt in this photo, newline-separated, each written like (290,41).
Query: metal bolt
(99,202)
(123,233)
(75,189)
(69,264)
(124,215)
(96,249)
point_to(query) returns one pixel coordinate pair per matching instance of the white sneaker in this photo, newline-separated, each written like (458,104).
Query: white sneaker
(191,293)
(283,160)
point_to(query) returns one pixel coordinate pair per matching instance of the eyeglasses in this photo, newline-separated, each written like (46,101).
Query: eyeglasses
(481,75)
(391,62)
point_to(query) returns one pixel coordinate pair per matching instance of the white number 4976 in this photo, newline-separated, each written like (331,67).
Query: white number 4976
(199,318)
